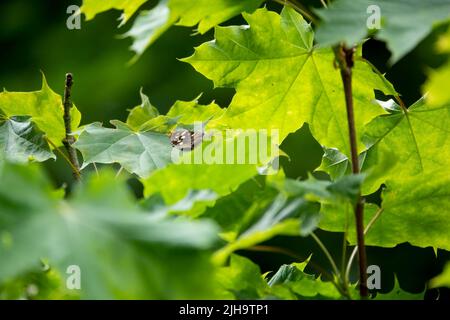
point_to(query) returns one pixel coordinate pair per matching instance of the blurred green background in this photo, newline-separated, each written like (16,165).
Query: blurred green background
(34,37)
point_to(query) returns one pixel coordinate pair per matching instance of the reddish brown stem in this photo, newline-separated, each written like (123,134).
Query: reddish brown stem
(345,57)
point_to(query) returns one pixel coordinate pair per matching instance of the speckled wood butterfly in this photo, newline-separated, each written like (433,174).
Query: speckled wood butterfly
(185,140)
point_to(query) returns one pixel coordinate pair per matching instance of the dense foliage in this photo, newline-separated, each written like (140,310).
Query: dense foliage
(180,240)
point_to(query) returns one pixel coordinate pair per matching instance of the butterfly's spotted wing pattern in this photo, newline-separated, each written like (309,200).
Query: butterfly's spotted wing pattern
(186,140)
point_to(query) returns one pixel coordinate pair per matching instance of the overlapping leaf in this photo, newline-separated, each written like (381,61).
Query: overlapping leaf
(93,7)
(282,80)
(403,24)
(204,13)
(142,144)
(419,137)
(122,251)
(142,113)
(291,281)
(175,181)
(293,211)
(45,109)
(241,279)
(190,112)
(401,144)
(223,161)
(282,217)
(21,141)
(138,152)
(413,210)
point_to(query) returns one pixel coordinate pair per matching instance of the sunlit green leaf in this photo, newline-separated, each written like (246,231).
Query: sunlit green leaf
(45,109)
(411,212)
(419,138)
(205,13)
(282,80)
(189,112)
(400,145)
(93,7)
(142,113)
(242,279)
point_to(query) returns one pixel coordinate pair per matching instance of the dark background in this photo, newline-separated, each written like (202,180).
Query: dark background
(34,37)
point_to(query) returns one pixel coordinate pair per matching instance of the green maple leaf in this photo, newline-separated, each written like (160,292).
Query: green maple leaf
(142,144)
(175,181)
(282,80)
(235,212)
(190,112)
(142,113)
(282,217)
(293,212)
(418,136)
(208,14)
(413,210)
(205,13)
(347,21)
(376,166)
(122,250)
(93,7)
(398,293)
(403,143)
(241,279)
(149,26)
(21,141)
(139,152)
(45,109)
(292,280)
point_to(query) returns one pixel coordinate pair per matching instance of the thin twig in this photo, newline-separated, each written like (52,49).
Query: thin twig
(61,153)
(344,246)
(341,286)
(326,252)
(345,58)
(295,256)
(69,139)
(297,7)
(355,249)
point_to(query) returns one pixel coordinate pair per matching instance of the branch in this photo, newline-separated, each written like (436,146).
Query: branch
(69,139)
(50,142)
(345,58)
(326,252)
